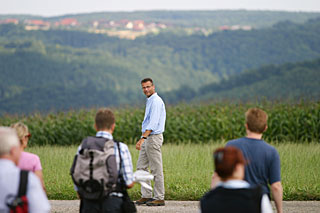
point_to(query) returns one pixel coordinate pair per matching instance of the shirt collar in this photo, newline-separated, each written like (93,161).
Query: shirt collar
(104,134)
(232,184)
(7,162)
(153,95)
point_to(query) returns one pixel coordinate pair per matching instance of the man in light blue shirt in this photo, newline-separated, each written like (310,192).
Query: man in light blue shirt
(150,145)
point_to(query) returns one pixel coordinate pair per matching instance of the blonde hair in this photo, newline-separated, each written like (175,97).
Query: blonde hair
(21,129)
(8,139)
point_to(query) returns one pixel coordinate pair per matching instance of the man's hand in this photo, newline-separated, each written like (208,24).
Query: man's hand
(130,186)
(139,144)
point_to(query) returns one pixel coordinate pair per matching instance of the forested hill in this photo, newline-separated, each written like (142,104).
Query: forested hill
(288,82)
(63,69)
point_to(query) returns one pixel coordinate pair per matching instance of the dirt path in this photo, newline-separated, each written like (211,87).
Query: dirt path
(72,206)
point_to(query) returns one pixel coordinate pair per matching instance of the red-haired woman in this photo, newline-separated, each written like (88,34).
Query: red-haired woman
(232,193)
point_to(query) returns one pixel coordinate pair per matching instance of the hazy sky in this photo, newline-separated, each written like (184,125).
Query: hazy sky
(60,7)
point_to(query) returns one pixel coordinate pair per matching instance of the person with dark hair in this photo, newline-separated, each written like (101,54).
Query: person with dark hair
(150,145)
(232,193)
(264,161)
(112,202)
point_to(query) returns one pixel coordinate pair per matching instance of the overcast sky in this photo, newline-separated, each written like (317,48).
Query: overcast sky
(61,7)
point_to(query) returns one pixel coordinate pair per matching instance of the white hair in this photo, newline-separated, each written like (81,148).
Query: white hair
(8,139)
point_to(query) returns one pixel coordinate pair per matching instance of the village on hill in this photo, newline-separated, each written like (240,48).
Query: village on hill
(124,28)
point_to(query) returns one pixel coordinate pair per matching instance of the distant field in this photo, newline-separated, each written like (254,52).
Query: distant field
(188,169)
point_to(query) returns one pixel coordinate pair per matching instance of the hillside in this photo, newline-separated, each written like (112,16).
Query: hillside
(292,81)
(62,69)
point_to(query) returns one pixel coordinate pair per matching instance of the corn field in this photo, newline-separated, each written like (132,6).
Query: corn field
(296,123)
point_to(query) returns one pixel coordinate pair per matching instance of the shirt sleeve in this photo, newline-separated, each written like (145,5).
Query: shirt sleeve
(155,112)
(37,199)
(127,168)
(37,166)
(274,169)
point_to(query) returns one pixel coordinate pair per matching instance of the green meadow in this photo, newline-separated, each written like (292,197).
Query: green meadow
(192,133)
(188,168)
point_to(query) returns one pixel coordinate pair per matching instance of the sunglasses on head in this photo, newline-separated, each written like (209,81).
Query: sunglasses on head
(218,156)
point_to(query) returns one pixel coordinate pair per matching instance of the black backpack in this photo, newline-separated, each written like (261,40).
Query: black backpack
(19,203)
(94,169)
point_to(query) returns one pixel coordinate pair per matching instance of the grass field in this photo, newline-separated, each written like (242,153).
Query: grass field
(188,169)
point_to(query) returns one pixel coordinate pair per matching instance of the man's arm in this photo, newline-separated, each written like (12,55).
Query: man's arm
(277,193)
(40,176)
(140,142)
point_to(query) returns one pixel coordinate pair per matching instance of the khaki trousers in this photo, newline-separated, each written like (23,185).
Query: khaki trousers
(150,156)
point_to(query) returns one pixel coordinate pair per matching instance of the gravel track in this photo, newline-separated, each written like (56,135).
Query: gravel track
(72,206)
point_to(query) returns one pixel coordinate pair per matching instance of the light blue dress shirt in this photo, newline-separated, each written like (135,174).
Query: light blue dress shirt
(155,115)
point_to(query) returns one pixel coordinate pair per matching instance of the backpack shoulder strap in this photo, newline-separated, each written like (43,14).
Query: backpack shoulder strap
(15,201)
(23,183)
(119,151)
(122,181)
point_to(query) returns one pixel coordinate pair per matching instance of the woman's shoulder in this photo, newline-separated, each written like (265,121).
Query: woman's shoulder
(29,161)
(30,156)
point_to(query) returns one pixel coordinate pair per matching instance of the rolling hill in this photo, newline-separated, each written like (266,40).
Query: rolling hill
(288,82)
(63,69)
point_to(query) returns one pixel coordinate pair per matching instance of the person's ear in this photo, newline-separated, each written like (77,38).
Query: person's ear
(265,129)
(113,126)
(95,127)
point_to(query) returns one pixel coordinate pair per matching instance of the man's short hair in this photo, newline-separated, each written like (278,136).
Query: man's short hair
(256,119)
(225,161)
(146,80)
(8,139)
(104,119)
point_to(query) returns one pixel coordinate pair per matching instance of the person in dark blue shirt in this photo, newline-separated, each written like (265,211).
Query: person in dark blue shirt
(263,159)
